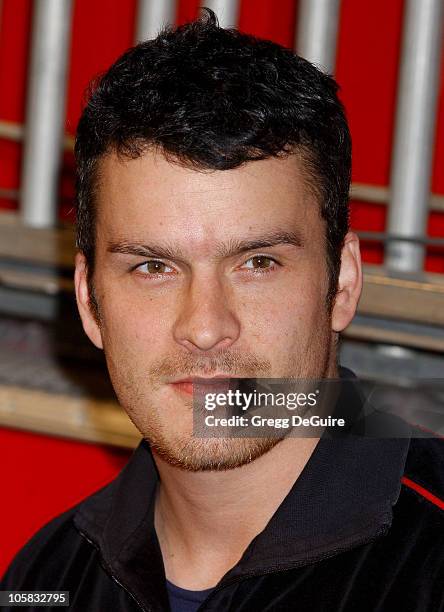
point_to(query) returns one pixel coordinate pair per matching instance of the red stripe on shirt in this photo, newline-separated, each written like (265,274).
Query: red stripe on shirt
(422,491)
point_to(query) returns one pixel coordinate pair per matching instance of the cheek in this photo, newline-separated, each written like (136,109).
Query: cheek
(286,319)
(299,297)
(134,327)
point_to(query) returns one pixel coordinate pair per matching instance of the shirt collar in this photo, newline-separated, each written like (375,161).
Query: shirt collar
(342,498)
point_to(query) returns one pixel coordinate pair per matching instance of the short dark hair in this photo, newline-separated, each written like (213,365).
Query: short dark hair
(215,98)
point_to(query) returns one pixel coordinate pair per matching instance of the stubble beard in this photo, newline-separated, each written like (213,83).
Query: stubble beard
(215,454)
(197,454)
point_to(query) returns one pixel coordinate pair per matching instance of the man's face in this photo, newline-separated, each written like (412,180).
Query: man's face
(205,274)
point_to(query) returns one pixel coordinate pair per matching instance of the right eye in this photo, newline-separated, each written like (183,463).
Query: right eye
(153,267)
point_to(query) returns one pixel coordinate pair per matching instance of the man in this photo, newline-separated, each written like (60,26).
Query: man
(213,238)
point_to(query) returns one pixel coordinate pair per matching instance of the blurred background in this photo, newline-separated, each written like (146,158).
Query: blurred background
(62,434)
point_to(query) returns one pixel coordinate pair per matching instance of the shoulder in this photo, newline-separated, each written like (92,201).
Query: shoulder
(418,515)
(57,544)
(423,476)
(59,549)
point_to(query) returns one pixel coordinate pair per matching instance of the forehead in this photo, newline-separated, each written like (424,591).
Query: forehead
(151,195)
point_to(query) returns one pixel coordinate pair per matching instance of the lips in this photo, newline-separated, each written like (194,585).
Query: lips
(201,386)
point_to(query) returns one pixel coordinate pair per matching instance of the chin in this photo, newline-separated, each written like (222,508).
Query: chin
(211,454)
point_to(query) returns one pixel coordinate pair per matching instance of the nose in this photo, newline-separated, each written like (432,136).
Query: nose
(206,322)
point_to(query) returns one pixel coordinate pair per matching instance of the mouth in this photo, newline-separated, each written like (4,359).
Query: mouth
(203,385)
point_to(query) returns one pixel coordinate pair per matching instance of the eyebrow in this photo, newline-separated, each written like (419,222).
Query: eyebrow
(222,249)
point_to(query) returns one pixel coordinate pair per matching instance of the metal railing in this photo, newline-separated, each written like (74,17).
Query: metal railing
(408,198)
(45,111)
(317,32)
(414,133)
(405,312)
(152,16)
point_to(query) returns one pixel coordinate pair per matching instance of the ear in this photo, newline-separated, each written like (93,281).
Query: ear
(90,324)
(349,284)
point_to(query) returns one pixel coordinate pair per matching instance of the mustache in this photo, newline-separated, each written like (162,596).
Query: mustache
(233,363)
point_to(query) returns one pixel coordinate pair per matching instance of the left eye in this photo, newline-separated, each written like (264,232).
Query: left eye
(259,262)
(154,267)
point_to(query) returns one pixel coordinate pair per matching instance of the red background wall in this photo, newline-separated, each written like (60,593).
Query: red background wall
(43,476)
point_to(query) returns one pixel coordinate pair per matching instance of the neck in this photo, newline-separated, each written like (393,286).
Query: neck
(205,520)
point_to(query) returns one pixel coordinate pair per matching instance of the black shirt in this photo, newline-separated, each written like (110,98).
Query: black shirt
(361,529)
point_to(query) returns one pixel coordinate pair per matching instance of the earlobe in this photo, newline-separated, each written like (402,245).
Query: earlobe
(90,324)
(349,284)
